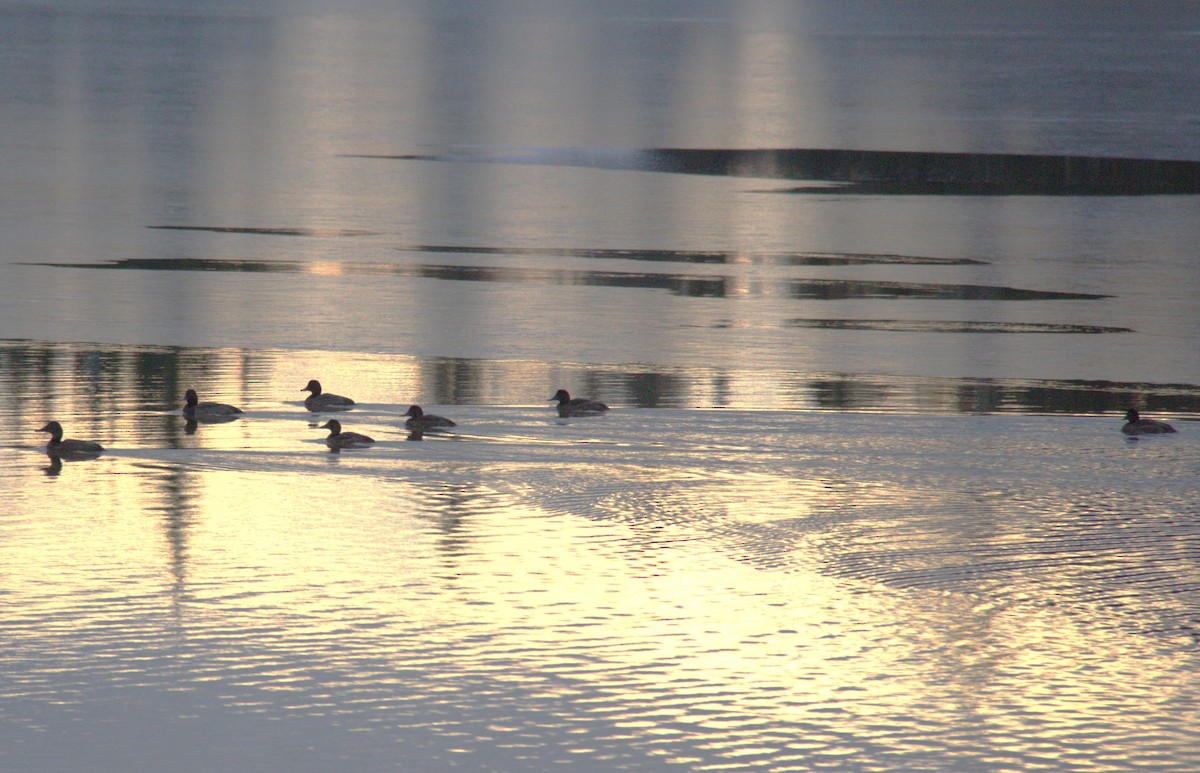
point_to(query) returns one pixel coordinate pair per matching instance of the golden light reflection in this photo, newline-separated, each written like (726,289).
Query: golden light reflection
(324,268)
(706,593)
(731,568)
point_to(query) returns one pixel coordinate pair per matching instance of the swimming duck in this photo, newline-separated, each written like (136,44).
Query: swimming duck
(323,401)
(68,448)
(339,439)
(1136,425)
(578,406)
(196,408)
(422,421)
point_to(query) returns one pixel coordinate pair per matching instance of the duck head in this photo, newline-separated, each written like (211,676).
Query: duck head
(55,429)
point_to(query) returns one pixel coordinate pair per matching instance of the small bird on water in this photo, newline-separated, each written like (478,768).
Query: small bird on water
(1136,425)
(69,447)
(422,421)
(339,439)
(196,408)
(576,406)
(324,401)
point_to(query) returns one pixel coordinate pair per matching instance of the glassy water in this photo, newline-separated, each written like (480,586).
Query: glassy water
(868,291)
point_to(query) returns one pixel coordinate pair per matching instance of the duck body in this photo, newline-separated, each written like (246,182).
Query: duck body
(422,421)
(69,447)
(577,406)
(339,439)
(195,408)
(324,401)
(1136,425)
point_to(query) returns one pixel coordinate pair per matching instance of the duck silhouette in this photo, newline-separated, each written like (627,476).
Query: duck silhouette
(339,439)
(68,448)
(324,401)
(193,408)
(1136,425)
(576,406)
(422,421)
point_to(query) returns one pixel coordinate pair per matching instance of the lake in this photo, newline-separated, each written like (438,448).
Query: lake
(868,291)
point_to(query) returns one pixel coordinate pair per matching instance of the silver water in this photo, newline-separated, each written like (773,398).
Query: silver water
(862,502)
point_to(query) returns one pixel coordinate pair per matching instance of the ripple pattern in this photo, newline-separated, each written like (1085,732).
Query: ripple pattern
(652,590)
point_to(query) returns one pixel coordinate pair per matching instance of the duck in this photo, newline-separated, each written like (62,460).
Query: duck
(1136,425)
(68,448)
(339,439)
(195,408)
(423,421)
(576,406)
(324,401)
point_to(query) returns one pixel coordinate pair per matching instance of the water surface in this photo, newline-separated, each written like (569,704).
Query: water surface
(868,289)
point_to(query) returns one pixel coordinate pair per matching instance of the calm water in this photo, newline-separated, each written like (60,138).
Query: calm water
(867,289)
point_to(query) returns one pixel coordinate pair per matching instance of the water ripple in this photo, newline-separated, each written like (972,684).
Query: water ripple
(650,589)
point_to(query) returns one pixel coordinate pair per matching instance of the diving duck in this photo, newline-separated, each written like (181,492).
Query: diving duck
(324,401)
(68,448)
(577,406)
(195,408)
(422,421)
(1136,425)
(339,439)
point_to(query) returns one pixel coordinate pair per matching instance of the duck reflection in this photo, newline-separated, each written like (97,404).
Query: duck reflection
(54,467)
(417,435)
(55,461)
(191,423)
